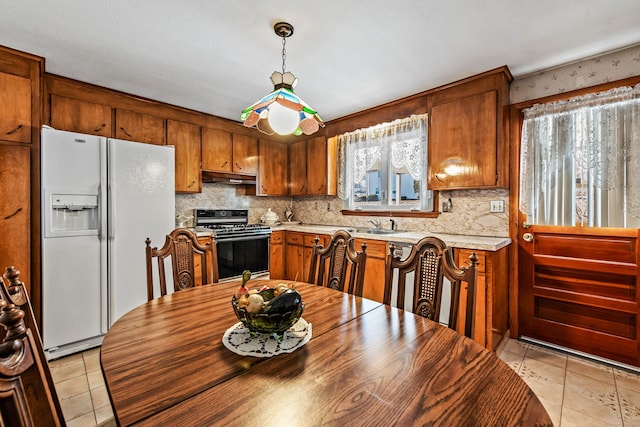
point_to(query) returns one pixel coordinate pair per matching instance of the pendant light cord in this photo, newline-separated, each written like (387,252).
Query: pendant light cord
(284,52)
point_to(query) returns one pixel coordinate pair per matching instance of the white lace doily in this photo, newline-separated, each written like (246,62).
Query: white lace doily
(239,340)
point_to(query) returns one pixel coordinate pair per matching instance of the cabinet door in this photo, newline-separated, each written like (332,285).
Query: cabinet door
(216,150)
(186,138)
(15,108)
(80,116)
(15,212)
(139,127)
(245,154)
(317,166)
(293,268)
(298,168)
(276,255)
(272,170)
(462,144)
(374,274)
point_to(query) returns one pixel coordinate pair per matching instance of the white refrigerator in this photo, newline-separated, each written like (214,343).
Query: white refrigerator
(101,198)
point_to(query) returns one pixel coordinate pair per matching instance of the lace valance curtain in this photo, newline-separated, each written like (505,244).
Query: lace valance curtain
(404,139)
(580,159)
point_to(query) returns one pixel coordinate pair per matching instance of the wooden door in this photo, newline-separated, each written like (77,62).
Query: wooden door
(245,154)
(217,150)
(15,108)
(186,139)
(79,116)
(139,127)
(272,171)
(15,212)
(462,143)
(298,168)
(317,166)
(578,288)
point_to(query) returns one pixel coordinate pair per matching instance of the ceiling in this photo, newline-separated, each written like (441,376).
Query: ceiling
(216,56)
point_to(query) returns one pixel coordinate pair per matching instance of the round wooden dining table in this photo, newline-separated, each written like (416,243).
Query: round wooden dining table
(367,364)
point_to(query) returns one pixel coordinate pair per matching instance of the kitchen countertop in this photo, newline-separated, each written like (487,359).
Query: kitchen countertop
(483,243)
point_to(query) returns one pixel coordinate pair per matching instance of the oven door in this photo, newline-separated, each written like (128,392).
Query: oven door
(236,254)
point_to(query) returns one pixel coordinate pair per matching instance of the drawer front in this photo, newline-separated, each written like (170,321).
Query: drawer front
(375,248)
(310,239)
(277,237)
(294,238)
(463,257)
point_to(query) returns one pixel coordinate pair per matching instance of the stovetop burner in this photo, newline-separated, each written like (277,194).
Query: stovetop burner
(229,223)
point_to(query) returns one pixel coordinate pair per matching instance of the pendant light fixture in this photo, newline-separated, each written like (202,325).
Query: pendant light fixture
(282,111)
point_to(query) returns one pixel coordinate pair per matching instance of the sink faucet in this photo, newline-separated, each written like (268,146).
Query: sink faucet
(376,223)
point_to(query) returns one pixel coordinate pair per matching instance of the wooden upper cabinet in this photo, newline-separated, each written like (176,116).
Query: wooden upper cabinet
(186,139)
(217,150)
(139,127)
(312,167)
(272,162)
(298,168)
(245,154)
(468,140)
(318,168)
(463,143)
(79,116)
(15,108)
(224,151)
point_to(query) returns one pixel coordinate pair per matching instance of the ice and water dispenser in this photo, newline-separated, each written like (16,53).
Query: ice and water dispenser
(72,215)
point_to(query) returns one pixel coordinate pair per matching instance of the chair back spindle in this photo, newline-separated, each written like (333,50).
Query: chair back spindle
(185,252)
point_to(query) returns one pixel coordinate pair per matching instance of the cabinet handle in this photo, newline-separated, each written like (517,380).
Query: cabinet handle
(15,130)
(238,166)
(437,175)
(13,214)
(99,128)
(224,164)
(192,182)
(123,130)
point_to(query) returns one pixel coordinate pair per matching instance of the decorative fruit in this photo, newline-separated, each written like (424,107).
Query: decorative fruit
(242,290)
(288,300)
(255,303)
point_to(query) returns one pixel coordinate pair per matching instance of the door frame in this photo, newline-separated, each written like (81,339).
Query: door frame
(515,217)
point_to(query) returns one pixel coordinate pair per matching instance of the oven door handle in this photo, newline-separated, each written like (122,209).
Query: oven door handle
(242,238)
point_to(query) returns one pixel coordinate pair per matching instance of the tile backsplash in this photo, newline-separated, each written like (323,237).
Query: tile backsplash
(470,214)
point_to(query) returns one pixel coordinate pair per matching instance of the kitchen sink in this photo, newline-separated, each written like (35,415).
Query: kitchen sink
(374,231)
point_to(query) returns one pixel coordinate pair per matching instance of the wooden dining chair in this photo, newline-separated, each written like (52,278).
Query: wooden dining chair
(192,263)
(338,266)
(423,273)
(27,393)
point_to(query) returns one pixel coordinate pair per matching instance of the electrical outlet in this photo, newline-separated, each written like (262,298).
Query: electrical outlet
(497,206)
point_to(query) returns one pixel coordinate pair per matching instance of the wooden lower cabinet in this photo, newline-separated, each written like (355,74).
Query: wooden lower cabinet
(276,255)
(491,320)
(298,251)
(377,251)
(197,262)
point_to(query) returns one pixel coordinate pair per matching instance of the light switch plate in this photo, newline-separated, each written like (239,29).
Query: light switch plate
(497,206)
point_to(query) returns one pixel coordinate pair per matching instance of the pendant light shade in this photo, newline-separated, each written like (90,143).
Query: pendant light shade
(282,111)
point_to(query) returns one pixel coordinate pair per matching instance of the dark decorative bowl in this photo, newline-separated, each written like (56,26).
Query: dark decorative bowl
(277,317)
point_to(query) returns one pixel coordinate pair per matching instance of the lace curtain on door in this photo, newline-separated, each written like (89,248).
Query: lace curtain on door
(404,140)
(580,161)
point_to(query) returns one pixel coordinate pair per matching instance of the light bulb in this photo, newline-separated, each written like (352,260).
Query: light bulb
(283,120)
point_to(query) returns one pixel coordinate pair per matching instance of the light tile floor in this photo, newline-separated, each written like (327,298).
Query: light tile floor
(81,390)
(574,391)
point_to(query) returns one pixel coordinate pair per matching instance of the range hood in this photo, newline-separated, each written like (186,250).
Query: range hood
(228,178)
